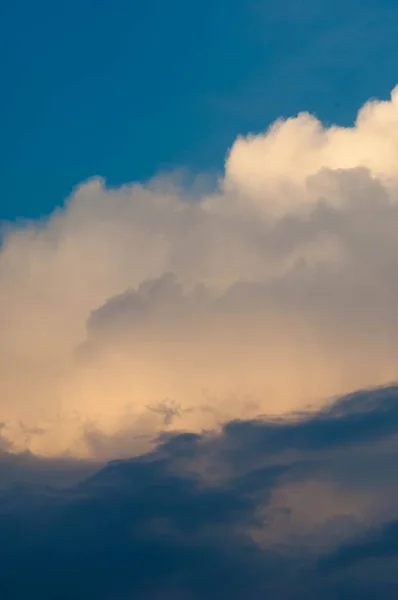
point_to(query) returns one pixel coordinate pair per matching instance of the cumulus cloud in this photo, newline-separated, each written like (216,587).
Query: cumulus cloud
(293,150)
(140,309)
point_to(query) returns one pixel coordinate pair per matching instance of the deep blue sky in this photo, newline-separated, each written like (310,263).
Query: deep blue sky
(124,88)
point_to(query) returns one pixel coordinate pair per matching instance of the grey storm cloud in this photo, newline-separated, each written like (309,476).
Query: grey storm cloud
(294,509)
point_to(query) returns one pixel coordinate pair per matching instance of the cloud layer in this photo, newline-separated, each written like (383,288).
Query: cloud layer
(297,510)
(142,308)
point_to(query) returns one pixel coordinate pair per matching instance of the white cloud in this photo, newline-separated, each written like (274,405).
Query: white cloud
(279,162)
(285,291)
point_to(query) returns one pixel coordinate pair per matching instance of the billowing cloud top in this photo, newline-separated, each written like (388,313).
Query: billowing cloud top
(293,150)
(139,309)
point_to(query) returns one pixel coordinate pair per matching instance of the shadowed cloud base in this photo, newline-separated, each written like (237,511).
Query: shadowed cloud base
(295,510)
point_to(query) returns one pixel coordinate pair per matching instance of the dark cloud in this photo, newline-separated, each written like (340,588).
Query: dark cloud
(290,510)
(27,469)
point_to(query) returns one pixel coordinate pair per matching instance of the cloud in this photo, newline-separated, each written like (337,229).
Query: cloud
(304,508)
(293,151)
(146,308)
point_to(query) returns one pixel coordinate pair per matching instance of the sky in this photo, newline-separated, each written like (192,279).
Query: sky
(125,89)
(198,292)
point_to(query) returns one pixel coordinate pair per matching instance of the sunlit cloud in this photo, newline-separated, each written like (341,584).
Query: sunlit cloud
(138,309)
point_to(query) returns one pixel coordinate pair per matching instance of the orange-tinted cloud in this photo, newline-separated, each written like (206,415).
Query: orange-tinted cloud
(136,309)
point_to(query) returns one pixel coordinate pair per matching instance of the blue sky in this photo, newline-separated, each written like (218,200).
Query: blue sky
(127,88)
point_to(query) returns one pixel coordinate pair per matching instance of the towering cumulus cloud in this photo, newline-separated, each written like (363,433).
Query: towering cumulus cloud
(140,309)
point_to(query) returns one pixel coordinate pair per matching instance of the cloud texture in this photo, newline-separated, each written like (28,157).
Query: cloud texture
(296,510)
(145,308)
